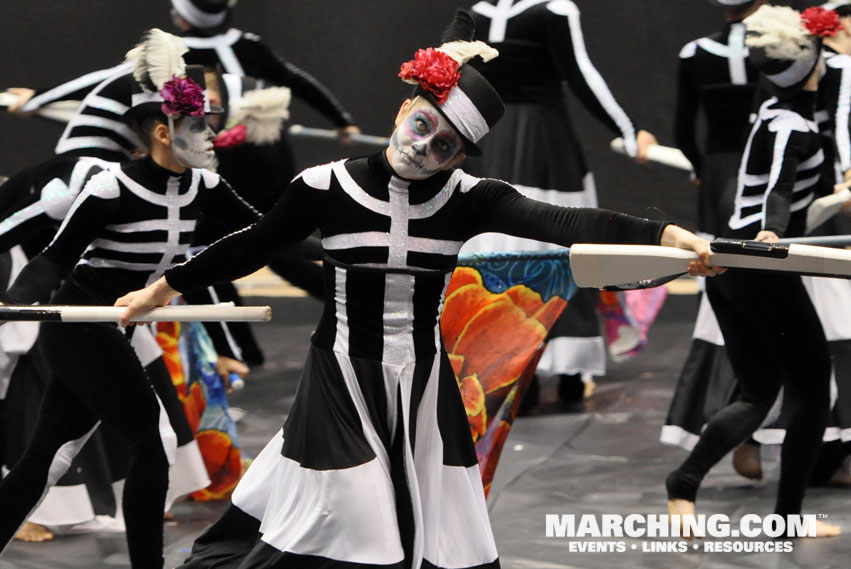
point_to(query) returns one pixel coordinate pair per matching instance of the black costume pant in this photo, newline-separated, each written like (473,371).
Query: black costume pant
(96,376)
(773,337)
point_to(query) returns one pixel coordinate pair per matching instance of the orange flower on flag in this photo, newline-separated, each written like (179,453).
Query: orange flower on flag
(474,402)
(491,337)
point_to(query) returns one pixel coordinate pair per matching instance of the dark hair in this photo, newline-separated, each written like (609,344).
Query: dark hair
(742,11)
(143,126)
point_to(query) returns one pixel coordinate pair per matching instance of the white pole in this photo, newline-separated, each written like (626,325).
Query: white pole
(298,130)
(666,155)
(188,313)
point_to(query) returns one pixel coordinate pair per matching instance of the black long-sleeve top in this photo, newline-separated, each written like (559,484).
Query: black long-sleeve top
(368,217)
(714,75)
(541,47)
(780,170)
(242,53)
(130,223)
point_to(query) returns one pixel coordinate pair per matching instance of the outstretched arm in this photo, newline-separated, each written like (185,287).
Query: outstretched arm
(497,206)
(567,46)
(303,85)
(291,220)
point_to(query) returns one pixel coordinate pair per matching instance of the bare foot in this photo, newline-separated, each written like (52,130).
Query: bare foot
(747,462)
(590,386)
(33,533)
(826,530)
(683,508)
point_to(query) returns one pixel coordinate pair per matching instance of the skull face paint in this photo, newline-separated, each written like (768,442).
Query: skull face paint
(423,143)
(192,142)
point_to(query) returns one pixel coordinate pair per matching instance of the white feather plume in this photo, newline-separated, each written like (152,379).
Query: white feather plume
(780,32)
(262,111)
(157,59)
(463,51)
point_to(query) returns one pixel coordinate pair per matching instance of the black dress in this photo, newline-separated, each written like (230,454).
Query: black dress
(771,330)
(375,465)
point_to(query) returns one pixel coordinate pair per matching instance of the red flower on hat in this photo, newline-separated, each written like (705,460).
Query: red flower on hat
(183,96)
(821,22)
(432,70)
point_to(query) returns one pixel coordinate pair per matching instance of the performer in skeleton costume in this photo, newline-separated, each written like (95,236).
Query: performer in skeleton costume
(31,221)
(130,222)
(707,382)
(33,204)
(375,466)
(771,330)
(535,148)
(98,130)
(831,297)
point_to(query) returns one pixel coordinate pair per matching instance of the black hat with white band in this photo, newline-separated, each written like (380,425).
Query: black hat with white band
(785,45)
(459,92)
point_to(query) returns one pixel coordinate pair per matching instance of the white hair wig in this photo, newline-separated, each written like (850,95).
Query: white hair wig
(780,32)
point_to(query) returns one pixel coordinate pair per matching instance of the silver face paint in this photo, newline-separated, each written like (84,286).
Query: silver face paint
(192,142)
(423,144)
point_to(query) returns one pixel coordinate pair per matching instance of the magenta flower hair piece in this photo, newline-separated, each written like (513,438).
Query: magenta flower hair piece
(183,96)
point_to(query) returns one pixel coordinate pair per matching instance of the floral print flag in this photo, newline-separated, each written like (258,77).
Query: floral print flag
(497,312)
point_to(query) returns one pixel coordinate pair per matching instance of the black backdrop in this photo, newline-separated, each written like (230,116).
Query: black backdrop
(355,47)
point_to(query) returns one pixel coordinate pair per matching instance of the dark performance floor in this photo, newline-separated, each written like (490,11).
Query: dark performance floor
(599,458)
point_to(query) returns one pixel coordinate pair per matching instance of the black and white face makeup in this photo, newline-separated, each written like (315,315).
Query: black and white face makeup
(423,144)
(192,142)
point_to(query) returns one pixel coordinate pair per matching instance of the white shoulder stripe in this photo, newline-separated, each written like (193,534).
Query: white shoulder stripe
(102,185)
(319,177)
(464,180)
(211,179)
(57,197)
(357,193)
